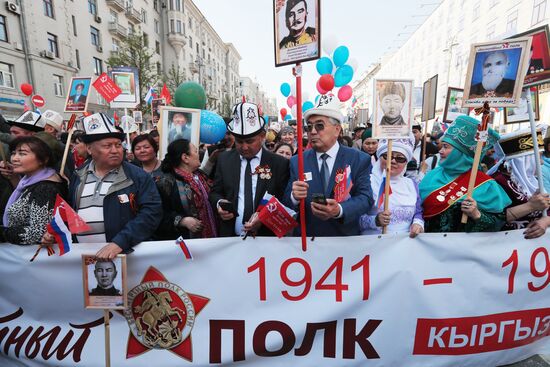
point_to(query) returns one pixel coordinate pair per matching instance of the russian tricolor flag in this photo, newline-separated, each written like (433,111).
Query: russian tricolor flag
(61,233)
(149,95)
(184,248)
(382,193)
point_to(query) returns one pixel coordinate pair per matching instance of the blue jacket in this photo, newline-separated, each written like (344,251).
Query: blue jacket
(359,203)
(129,223)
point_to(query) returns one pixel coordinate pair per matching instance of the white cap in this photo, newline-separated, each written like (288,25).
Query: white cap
(404,146)
(53,119)
(99,126)
(246,121)
(328,105)
(29,120)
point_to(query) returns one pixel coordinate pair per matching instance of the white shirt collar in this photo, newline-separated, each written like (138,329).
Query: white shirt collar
(258,155)
(332,152)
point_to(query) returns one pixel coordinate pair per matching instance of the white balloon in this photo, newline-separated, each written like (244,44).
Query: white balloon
(293,89)
(330,43)
(353,63)
(305,96)
(293,109)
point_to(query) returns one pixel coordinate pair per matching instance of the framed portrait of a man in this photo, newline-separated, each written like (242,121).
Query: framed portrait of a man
(178,123)
(453,105)
(77,97)
(538,71)
(496,71)
(104,282)
(520,113)
(393,111)
(156,104)
(296,31)
(127,79)
(138,117)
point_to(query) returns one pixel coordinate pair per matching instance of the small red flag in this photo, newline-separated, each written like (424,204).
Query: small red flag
(275,217)
(184,248)
(165,93)
(75,222)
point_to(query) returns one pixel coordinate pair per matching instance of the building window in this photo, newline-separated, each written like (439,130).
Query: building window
(48,8)
(190,41)
(74,25)
(172,26)
(491,32)
(476,11)
(178,5)
(158,68)
(539,10)
(157,27)
(77,54)
(114,16)
(3,29)
(131,29)
(512,21)
(6,75)
(157,47)
(143,16)
(92,7)
(171,4)
(98,66)
(190,24)
(52,44)
(145,39)
(156,5)
(178,26)
(115,45)
(58,85)
(94,34)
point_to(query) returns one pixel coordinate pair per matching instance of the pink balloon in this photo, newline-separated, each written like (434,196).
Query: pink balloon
(345,93)
(291,101)
(320,90)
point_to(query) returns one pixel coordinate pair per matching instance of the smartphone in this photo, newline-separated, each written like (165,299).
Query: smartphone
(319,199)
(228,207)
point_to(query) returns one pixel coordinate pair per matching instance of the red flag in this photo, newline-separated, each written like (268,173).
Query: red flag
(165,93)
(75,222)
(184,248)
(275,217)
(244,99)
(26,107)
(115,116)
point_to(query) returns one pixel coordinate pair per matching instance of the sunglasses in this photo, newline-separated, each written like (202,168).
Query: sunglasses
(319,126)
(397,159)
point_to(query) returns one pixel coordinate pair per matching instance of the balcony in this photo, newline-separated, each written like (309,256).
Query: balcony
(177,40)
(116,4)
(117,30)
(133,15)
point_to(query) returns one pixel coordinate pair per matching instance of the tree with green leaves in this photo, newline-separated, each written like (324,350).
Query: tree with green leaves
(134,52)
(173,78)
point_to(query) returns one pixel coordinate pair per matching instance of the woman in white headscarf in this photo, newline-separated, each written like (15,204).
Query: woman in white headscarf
(515,172)
(405,206)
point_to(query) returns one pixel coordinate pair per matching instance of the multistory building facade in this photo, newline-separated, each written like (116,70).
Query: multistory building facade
(46,42)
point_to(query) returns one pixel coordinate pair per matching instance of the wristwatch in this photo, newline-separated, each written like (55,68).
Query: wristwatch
(177,220)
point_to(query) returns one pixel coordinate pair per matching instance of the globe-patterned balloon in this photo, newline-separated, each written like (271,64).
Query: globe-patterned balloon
(212,127)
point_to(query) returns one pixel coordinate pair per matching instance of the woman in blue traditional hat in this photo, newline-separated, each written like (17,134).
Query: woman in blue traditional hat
(444,189)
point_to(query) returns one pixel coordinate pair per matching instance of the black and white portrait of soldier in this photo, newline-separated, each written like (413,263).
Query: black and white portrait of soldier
(105,273)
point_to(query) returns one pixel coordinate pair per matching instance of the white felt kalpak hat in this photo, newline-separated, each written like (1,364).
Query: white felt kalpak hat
(246,121)
(29,120)
(99,126)
(328,105)
(53,119)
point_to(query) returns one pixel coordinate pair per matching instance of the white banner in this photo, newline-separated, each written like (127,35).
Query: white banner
(438,300)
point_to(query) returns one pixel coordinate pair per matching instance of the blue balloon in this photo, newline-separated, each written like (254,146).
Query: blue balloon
(317,98)
(324,66)
(285,89)
(307,105)
(212,127)
(266,119)
(340,56)
(288,116)
(343,75)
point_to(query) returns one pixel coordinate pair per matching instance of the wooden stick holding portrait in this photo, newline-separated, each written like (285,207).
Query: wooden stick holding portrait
(70,129)
(106,322)
(387,183)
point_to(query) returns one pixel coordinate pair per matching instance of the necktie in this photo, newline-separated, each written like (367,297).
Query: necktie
(248,203)
(325,173)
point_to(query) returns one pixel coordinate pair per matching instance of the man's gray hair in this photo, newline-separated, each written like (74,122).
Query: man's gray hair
(333,121)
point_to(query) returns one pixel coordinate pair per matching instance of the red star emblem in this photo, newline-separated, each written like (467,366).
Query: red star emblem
(159,316)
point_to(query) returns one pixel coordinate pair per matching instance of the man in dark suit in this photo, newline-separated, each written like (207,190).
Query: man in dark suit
(494,67)
(78,97)
(323,166)
(245,174)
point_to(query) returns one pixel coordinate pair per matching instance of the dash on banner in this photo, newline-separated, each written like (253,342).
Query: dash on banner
(438,281)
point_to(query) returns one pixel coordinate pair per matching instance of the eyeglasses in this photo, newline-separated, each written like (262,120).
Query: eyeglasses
(397,159)
(319,126)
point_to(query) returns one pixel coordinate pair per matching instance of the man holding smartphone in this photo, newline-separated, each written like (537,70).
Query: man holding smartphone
(325,216)
(244,174)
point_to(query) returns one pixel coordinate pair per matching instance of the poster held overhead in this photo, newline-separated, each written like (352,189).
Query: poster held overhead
(127,79)
(496,71)
(296,25)
(453,105)
(520,113)
(393,112)
(538,71)
(77,96)
(429,98)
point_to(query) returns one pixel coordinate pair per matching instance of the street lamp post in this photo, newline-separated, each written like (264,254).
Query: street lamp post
(449,49)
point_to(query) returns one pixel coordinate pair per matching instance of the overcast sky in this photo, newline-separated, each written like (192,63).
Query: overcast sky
(367,27)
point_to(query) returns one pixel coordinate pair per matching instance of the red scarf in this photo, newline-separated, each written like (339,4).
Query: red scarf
(200,188)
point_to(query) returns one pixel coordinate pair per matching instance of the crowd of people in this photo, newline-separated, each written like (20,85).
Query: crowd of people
(127,194)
